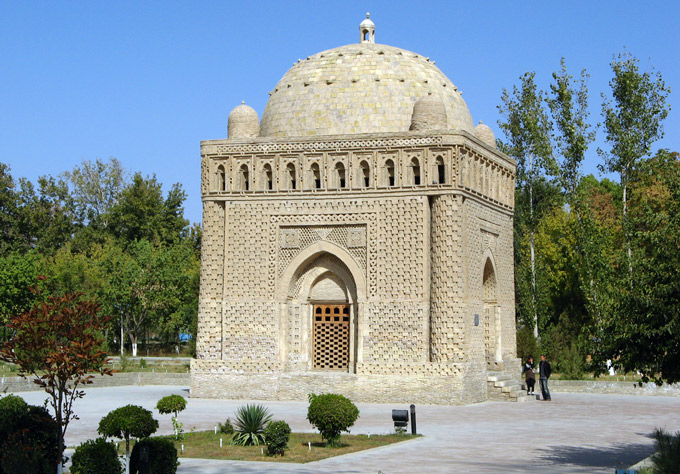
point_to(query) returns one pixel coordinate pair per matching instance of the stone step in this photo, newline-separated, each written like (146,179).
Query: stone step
(506,387)
(511,388)
(498,377)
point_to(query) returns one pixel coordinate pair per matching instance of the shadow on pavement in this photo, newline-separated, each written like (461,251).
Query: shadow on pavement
(615,457)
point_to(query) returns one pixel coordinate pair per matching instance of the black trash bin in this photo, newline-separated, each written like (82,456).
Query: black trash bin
(400,418)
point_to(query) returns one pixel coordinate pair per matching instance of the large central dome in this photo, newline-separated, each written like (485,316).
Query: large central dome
(358,88)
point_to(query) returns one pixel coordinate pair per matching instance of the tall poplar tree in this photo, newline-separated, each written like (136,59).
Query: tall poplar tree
(573,134)
(526,125)
(633,121)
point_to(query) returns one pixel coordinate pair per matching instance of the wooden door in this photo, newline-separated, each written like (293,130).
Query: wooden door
(331,336)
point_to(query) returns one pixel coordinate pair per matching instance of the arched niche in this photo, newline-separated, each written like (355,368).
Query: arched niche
(492,311)
(321,292)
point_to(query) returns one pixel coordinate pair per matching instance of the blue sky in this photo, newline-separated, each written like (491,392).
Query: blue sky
(145,82)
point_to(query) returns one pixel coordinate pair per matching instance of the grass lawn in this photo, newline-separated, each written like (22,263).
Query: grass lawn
(206,444)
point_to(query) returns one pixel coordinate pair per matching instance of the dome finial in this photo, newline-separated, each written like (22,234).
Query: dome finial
(367,30)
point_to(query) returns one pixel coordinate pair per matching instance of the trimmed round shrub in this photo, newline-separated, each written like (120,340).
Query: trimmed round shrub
(29,438)
(331,414)
(276,435)
(154,456)
(249,425)
(96,456)
(171,404)
(33,446)
(11,409)
(128,421)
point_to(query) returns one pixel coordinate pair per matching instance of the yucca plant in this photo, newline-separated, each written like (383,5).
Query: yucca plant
(249,425)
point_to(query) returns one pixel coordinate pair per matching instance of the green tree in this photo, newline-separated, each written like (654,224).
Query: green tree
(642,333)
(130,421)
(18,274)
(96,188)
(148,283)
(58,342)
(572,135)
(142,213)
(11,232)
(569,106)
(633,121)
(47,214)
(526,125)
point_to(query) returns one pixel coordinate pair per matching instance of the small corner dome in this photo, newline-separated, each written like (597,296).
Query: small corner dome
(429,113)
(485,134)
(243,122)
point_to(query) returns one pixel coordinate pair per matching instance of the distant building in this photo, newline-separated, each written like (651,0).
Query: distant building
(358,239)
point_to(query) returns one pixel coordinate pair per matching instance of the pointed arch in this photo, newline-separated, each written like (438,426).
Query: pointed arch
(306,256)
(221,178)
(489,277)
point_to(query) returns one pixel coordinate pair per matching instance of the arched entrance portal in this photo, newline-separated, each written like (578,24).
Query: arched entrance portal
(492,314)
(322,303)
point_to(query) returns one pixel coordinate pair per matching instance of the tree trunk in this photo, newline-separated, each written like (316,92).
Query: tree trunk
(533,253)
(133,342)
(127,456)
(122,337)
(625,232)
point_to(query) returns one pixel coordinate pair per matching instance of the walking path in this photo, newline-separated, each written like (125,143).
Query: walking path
(575,433)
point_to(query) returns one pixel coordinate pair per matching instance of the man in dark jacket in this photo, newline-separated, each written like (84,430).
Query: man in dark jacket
(544,374)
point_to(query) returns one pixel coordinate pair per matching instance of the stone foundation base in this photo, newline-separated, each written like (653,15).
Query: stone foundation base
(209,379)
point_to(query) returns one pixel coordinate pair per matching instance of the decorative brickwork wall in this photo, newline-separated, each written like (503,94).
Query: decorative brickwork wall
(447,290)
(209,337)
(405,255)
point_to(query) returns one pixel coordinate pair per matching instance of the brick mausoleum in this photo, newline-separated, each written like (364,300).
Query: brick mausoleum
(357,239)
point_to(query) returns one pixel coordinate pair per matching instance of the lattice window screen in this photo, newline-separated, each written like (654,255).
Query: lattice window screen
(331,336)
(488,336)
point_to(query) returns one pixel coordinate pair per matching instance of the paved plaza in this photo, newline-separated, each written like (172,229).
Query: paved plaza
(575,433)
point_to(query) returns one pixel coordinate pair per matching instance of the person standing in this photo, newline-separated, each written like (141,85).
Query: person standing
(530,377)
(544,374)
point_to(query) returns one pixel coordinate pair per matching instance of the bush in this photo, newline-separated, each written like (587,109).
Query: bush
(276,435)
(12,408)
(160,458)
(226,427)
(249,425)
(667,457)
(331,414)
(96,456)
(29,438)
